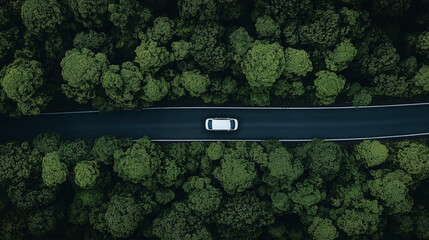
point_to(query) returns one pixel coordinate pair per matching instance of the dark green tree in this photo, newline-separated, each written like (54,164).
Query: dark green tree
(41,16)
(23,82)
(82,71)
(264,64)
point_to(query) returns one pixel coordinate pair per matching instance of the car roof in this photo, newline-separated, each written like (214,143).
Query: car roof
(218,124)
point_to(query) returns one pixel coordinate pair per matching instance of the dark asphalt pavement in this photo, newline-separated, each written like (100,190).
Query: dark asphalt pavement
(254,123)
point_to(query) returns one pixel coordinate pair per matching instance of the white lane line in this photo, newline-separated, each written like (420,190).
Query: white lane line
(255,108)
(289,140)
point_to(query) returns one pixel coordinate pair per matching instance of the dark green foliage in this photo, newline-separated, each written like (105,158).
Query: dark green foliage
(40,16)
(243,216)
(383,58)
(323,229)
(382,47)
(17,162)
(54,172)
(323,30)
(389,8)
(201,9)
(138,163)
(339,59)
(81,71)
(123,84)
(48,142)
(123,215)
(328,86)
(202,197)
(22,82)
(236,173)
(94,41)
(151,57)
(322,158)
(195,83)
(41,222)
(115,54)
(76,151)
(264,64)
(240,41)
(86,174)
(371,153)
(178,222)
(90,13)
(282,169)
(267,28)
(162,30)
(227,190)
(297,62)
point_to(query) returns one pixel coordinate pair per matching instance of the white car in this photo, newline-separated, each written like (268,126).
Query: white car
(221,124)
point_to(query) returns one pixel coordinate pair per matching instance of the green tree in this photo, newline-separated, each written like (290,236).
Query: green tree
(414,159)
(283,10)
(40,16)
(322,158)
(105,146)
(139,162)
(421,80)
(17,162)
(306,195)
(94,41)
(86,174)
(392,189)
(266,27)
(390,9)
(123,216)
(82,71)
(162,31)
(323,229)
(154,90)
(240,41)
(178,222)
(181,50)
(203,198)
(123,84)
(54,172)
(42,222)
(48,142)
(352,212)
(90,13)
(339,59)
(323,30)
(282,169)
(75,151)
(382,58)
(23,82)
(200,9)
(215,150)
(31,194)
(371,153)
(151,57)
(236,172)
(195,82)
(328,85)
(242,216)
(297,62)
(264,64)
(419,43)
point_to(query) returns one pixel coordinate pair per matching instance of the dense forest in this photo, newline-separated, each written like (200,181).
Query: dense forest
(110,188)
(115,54)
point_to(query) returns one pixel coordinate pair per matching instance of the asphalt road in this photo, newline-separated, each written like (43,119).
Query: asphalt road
(289,124)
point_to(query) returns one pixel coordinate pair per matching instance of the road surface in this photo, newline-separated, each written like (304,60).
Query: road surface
(255,124)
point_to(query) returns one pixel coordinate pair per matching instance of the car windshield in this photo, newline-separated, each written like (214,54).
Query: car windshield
(210,124)
(232,124)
